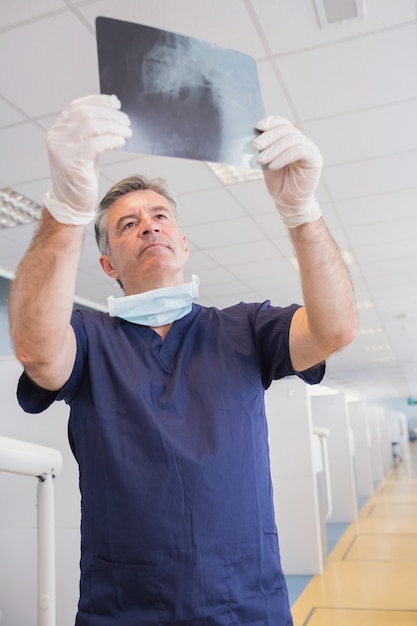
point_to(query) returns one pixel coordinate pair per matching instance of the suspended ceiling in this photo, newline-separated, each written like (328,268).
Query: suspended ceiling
(352,87)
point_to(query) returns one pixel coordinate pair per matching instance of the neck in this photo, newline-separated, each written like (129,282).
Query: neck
(150,285)
(162,330)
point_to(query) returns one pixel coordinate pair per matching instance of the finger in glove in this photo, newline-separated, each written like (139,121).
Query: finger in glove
(281,143)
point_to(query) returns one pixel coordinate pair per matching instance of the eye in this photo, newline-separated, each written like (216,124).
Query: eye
(128,225)
(161,216)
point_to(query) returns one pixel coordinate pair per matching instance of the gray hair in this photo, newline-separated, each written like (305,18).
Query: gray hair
(127,185)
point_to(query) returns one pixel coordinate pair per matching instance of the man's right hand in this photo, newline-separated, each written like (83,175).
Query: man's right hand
(84,130)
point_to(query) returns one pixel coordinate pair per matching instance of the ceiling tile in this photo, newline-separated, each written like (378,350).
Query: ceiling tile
(254,250)
(283,294)
(199,260)
(15,13)
(369,318)
(211,205)
(26,146)
(366,134)
(214,276)
(275,100)
(370,251)
(90,257)
(389,231)
(48,48)
(229,232)
(271,225)
(253,196)
(20,234)
(271,269)
(229,299)
(374,176)
(9,115)
(378,208)
(393,282)
(11,253)
(359,283)
(391,267)
(34,190)
(352,75)
(231,287)
(290,26)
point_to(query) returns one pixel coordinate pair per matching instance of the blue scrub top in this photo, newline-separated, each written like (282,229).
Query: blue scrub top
(177,523)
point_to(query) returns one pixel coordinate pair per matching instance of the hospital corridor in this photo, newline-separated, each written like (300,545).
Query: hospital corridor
(208,313)
(370,575)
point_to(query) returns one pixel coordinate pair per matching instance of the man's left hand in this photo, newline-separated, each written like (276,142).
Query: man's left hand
(292,172)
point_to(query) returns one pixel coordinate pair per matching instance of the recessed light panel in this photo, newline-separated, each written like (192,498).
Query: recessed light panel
(16,209)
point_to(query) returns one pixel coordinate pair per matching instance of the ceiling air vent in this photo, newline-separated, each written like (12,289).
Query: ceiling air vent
(339,11)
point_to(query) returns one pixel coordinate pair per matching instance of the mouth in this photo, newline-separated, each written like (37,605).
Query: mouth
(153,245)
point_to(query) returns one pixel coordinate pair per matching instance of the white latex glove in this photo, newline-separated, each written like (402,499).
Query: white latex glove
(292,169)
(85,129)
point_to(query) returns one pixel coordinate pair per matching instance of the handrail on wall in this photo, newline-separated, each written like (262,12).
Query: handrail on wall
(29,459)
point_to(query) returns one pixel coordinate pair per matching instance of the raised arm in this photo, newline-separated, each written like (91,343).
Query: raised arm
(327,321)
(40,303)
(42,293)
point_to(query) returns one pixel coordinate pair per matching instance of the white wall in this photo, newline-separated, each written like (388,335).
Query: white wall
(295,489)
(330,412)
(18,558)
(375,417)
(358,417)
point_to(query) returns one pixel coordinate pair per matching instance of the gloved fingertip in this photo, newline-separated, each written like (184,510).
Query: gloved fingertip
(272,121)
(260,161)
(261,124)
(259,143)
(254,144)
(115,102)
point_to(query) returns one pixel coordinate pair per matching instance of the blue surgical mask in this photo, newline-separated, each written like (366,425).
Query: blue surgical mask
(156,307)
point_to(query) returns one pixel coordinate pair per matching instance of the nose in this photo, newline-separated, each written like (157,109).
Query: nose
(148,226)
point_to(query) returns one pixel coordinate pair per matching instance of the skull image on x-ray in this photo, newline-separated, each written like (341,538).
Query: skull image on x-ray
(185,97)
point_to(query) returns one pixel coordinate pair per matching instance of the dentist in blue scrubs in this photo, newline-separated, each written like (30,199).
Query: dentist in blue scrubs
(167,418)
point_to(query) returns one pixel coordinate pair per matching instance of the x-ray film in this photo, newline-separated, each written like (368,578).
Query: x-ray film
(185,97)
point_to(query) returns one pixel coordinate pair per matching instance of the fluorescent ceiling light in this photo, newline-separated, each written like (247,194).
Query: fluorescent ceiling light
(370,331)
(230,174)
(294,262)
(348,256)
(365,304)
(384,359)
(15,209)
(377,348)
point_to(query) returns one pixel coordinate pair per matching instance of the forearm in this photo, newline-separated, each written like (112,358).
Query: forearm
(329,301)
(41,301)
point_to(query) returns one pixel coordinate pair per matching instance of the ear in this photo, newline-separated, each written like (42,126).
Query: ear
(107,265)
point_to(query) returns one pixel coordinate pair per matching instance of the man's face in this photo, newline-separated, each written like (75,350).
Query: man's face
(147,249)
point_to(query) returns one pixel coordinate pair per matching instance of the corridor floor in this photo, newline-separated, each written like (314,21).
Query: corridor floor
(370,578)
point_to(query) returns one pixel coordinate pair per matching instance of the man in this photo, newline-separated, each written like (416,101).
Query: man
(167,411)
